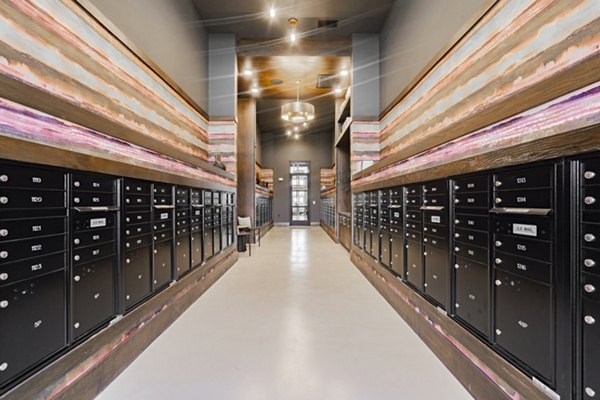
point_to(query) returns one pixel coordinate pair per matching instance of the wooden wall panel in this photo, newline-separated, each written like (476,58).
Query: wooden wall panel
(522,54)
(58,59)
(570,115)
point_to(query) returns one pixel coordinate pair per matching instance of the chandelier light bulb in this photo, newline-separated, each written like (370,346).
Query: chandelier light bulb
(293,37)
(296,136)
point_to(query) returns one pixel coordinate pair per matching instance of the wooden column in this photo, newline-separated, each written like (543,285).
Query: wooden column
(246,174)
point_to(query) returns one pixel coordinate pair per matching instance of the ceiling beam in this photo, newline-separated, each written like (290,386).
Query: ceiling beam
(303,47)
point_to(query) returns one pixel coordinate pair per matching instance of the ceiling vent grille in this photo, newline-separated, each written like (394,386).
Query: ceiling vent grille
(327,81)
(327,23)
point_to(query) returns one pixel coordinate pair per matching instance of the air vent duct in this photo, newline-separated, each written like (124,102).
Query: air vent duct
(327,81)
(327,23)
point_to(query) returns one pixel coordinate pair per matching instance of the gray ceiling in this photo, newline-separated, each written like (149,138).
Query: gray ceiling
(249,19)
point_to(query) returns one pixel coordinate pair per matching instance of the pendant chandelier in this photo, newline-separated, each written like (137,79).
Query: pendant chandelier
(297,111)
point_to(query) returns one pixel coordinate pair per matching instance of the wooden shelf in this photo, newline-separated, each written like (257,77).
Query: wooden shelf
(344,110)
(344,139)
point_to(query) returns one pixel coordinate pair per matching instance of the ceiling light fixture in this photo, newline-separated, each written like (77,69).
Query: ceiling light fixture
(293,37)
(272,12)
(293,23)
(296,136)
(338,90)
(297,111)
(288,132)
(344,72)
(254,90)
(247,72)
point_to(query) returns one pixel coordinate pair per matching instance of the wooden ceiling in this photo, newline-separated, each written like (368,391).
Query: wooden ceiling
(276,76)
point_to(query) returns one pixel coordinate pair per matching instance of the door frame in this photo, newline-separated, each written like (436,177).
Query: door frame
(292,222)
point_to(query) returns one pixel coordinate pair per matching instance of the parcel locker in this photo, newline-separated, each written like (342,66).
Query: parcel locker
(414,261)
(524,321)
(137,232)
(588,267)
(384,228)
(472,280)
(208,225)
(472,299)
(163,243)
(197,251)
(33,267)
(183,220)
(413,233)
(531,281)
(95,209)
(33,319)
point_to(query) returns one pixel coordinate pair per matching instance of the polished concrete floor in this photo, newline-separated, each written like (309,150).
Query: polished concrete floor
(294,321)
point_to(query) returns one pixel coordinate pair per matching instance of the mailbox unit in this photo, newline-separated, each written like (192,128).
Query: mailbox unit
(183,231)
(33,267)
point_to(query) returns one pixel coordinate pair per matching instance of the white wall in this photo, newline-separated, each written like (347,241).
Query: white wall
(170,33)
(414,32)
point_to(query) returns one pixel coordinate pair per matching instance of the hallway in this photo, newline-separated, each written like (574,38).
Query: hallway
(294,321)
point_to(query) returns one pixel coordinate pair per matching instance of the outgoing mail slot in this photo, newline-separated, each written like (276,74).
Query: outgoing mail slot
(438,187)
(84,199)
(27,248)
(524,321)
(471,291)
(137,230)
(31,268)
(93,253)
(33,322)
(137,217)
(93,183)
(92,237)
(86,221)
(591,349)
(92,296)
(137,187)
(471,252)
(540,271)
(162,189)
(136,201)
(137,279)
(137,242)
(590,285)
(31,199)
(476,222)
(472,200)
(531,248)
(538,177)
(31,178)
(471,237)
(29,228)
(471,184)
(537,198)
(590,235)
(434,217)
(535,228)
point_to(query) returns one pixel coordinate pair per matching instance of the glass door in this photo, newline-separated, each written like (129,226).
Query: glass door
(299,181)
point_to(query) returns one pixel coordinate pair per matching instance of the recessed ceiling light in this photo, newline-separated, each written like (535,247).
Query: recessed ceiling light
(344,72)
(272,12)
(247,72)
(338,90)
(254,90)
(293,37)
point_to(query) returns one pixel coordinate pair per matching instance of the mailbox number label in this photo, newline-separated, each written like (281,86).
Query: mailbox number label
(436,219)
(525,230)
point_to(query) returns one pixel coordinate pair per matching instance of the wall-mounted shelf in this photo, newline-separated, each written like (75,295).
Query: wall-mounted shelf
(343,111)
(344,138)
